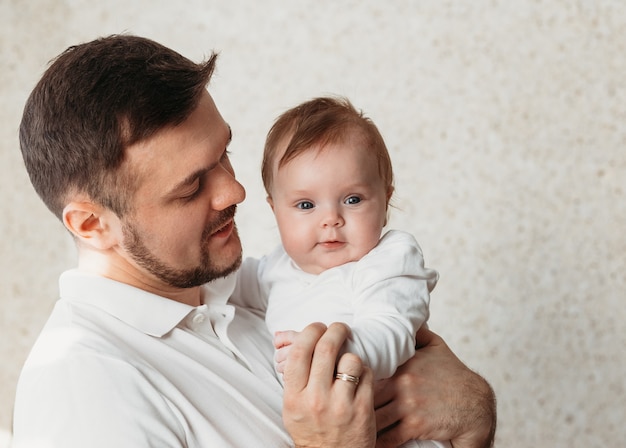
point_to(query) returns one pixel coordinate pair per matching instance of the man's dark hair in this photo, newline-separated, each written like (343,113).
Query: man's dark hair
(94,101)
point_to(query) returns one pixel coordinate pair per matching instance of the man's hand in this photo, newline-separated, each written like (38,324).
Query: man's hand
(434,396)
(319,410)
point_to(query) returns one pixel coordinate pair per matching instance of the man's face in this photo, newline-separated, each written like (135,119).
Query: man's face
(181,230)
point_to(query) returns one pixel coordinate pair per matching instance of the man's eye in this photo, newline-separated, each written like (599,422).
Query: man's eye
(189,196)
(192,193)
(305,205)
(352,200)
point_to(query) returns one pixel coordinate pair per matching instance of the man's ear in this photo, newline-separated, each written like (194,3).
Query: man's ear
(90,223)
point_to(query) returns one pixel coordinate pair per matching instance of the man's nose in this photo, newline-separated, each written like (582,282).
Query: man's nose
(226,191)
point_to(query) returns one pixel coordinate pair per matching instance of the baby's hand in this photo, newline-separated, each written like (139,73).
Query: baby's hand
(282,343)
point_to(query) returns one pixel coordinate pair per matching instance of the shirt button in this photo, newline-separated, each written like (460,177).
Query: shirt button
(198,319)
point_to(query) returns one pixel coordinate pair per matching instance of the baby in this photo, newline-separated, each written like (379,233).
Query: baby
(329,180)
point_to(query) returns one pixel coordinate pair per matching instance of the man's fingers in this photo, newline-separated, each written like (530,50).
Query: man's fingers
(365,390)
(424,337)
(389,440)
(348,376)
(325,356)
(318,409)
(384,392)
(387,416)
(298,366)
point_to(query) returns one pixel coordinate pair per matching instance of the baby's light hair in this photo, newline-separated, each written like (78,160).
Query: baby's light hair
(316,124)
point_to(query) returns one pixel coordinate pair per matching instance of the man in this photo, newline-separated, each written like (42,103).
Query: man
(124,144)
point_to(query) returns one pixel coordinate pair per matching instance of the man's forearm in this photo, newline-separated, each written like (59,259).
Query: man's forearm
(434,396)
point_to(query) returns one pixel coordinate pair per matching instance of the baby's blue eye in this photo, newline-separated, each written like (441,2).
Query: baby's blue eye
(305,205)
(353,200)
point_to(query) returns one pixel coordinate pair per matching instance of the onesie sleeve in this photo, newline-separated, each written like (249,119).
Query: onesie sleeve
(249,292)
(392,294)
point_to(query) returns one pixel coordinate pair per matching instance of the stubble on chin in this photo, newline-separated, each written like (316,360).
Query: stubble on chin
(206,270)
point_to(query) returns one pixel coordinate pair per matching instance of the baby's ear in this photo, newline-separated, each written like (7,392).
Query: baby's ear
(270,201)
(90,223)
(390,191)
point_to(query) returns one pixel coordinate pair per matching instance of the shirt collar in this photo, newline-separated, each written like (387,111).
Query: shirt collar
(149,313)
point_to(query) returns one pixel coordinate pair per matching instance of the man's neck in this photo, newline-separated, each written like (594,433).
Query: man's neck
(116,268)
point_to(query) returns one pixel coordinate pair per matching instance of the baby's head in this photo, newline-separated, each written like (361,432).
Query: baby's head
(315,124)
(329,179)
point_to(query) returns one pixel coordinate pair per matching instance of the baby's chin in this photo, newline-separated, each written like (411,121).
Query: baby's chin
(317,269)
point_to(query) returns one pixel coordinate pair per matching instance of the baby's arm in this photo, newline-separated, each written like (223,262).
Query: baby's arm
(391,303)
(249,292)
(391,297)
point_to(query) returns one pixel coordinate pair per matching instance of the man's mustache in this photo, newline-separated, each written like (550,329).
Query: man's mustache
(223,217)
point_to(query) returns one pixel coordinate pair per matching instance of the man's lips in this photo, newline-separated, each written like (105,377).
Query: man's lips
(225,230)
(224,224)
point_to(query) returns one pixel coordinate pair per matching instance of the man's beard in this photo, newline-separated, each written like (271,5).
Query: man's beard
(206,270)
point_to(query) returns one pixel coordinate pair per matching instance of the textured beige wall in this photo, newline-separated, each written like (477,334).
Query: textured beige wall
(507,125)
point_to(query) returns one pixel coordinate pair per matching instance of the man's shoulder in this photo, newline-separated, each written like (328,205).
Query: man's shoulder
(73,332)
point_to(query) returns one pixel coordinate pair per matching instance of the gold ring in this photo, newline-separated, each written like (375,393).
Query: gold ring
(346,377)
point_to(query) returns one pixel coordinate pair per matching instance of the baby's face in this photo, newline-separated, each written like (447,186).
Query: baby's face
(330,205)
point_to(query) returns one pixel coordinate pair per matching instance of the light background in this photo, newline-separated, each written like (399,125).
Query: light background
(506,122)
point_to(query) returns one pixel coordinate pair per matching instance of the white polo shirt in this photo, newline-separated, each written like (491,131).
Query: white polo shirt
(116,366)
